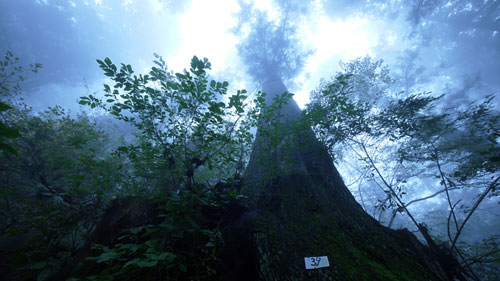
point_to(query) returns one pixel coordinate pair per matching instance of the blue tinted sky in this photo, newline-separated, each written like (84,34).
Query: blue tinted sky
(434,46)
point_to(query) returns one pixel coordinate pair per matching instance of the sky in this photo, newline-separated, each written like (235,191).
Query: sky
(442,47)
(67,37)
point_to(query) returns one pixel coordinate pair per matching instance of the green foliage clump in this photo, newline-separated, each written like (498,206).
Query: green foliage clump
(184,120)
(193,141)
(182,242)
(11,74)
(62,175)
(401,138)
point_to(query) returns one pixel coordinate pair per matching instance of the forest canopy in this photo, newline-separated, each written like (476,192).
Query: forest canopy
(363,131)
(182,141)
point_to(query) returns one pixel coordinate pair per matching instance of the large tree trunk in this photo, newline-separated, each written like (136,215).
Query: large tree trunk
(302,208)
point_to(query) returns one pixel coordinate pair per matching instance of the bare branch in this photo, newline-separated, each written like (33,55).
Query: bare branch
(479,200)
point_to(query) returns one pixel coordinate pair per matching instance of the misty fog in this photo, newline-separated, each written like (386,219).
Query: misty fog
(446,49)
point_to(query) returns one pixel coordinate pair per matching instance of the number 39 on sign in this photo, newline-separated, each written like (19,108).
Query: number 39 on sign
(316,262)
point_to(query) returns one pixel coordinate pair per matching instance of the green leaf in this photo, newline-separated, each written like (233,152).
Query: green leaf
(152,244)
(106,256)
(136,230)
(45,274)
(4,106)
(101,63)
(8,132)
(141,263)
(39,265)
(7,148)
(194,62)
(169,257)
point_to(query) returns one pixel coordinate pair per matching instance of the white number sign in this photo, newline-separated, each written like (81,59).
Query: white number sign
(316,262)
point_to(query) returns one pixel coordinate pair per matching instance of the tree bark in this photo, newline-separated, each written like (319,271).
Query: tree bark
(302,208)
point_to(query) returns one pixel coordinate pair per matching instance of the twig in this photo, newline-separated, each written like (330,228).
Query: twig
(479,200)
(400,202)
(448,198)
(482,258)
(230,133)
(66,199)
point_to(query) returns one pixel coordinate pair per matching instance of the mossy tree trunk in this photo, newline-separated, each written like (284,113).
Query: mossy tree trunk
(302,208)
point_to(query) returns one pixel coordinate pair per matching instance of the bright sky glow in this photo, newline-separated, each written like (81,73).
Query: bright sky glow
(348,39)
(266,6)
(158,5)
(205,32)
(203,28)
(332,41)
